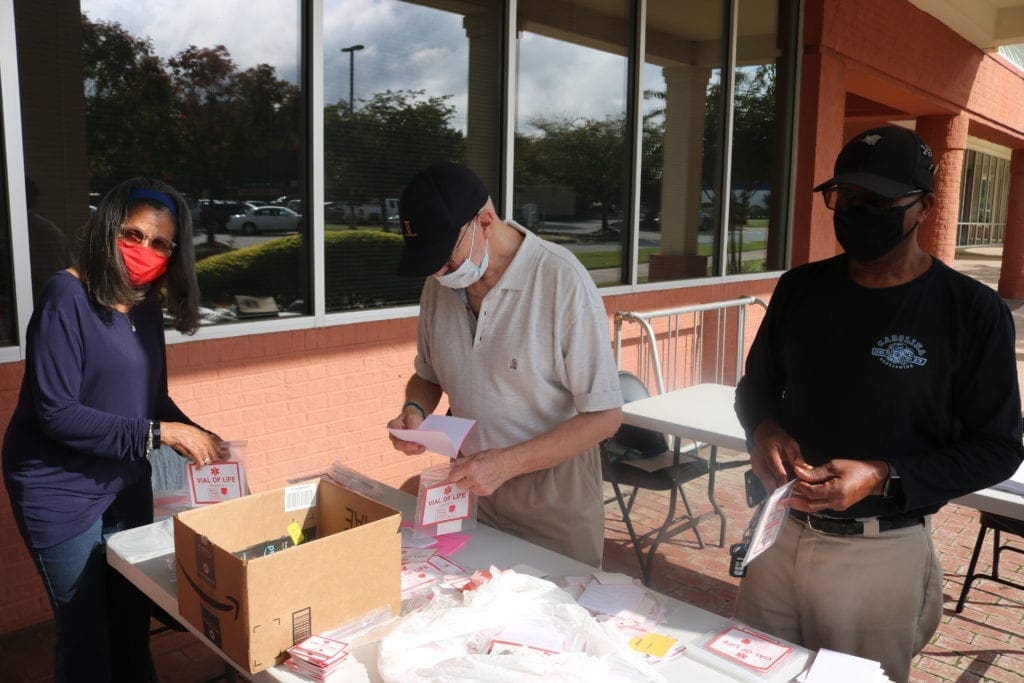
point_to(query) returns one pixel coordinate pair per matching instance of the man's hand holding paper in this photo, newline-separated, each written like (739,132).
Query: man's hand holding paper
(837,484)
(441,434)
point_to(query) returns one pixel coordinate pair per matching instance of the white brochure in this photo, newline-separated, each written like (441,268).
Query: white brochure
(441,434)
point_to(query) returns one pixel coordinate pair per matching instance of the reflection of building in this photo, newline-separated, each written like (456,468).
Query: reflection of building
(721,116)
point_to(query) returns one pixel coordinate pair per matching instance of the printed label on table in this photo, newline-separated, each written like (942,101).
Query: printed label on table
(747,648)
(444,503)
(214,483)
(444,565)
(415,576)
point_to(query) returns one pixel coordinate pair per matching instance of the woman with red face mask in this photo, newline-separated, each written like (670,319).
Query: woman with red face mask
(93,406)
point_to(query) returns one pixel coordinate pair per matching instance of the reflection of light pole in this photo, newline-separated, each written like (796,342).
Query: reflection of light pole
(351,50)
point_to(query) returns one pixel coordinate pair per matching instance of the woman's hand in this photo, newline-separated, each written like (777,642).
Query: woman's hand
(198,445)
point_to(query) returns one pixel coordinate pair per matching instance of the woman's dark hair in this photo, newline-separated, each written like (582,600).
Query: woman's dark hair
(102,269)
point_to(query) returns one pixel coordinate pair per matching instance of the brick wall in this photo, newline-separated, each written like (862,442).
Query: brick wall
(1011,276)
(302,400)
(890,52)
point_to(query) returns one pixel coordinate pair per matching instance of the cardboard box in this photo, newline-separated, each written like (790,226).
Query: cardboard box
(244,583)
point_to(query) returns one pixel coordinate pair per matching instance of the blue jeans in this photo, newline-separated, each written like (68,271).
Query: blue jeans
(93,605)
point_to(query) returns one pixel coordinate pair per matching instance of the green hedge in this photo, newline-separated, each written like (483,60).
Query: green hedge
(360,271)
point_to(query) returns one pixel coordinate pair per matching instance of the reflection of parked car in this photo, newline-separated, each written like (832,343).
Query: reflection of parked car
(215,212)
(265,219)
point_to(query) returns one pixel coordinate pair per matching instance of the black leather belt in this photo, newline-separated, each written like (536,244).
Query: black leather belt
(851,527)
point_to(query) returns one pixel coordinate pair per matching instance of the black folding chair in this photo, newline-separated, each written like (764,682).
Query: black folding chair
(998,524)
(642,458)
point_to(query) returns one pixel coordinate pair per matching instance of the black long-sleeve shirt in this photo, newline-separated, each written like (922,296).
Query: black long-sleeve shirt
(921,375)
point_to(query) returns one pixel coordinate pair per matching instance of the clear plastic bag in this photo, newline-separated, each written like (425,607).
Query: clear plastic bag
(223,479)
(442,508)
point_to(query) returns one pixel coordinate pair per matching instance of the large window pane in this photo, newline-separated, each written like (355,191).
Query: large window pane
(184,91)
(984,189)
(406,85)
(680,181)
(571,151)
(756,218)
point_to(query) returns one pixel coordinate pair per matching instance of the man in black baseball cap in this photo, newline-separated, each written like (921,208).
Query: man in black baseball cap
(513,331)
(433,208)
(885,383)
(884,179)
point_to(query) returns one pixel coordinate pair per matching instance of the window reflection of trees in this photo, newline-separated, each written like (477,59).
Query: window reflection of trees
(214,131)
(195,119)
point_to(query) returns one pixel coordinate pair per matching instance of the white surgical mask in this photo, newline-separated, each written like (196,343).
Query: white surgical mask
(467,273)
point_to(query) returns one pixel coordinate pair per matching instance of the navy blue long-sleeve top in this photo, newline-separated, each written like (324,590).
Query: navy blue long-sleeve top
(921,375)
(94,377)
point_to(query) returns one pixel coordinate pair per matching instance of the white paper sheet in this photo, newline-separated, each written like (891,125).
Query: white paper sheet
(613,599)
(441,434)
(837,667)
(770,524)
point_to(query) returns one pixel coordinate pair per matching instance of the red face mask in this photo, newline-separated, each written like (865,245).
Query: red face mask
(142,263)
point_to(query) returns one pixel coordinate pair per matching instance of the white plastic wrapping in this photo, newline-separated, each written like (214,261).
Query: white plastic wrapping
(447,641)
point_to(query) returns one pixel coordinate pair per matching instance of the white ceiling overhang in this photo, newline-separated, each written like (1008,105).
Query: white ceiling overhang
(986,23)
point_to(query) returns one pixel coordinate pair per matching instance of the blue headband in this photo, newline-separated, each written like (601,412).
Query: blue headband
(155,195)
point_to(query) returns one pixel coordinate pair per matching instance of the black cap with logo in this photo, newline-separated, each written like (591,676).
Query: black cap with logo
(433,208)
(890,161)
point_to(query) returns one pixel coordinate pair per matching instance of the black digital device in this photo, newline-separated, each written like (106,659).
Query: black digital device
(737,553)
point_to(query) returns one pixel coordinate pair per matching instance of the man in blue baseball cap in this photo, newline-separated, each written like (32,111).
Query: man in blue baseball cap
(513,330)
(885,383)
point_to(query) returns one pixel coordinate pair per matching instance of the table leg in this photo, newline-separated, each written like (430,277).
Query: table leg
(712,468)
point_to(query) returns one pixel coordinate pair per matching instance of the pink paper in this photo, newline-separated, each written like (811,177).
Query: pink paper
(449,544)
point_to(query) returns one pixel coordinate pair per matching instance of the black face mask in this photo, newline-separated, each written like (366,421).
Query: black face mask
(867,233)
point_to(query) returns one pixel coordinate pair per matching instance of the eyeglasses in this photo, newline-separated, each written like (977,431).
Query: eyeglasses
(157,244)
(849,197)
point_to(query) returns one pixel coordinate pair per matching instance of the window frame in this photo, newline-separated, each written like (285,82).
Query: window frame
(312,74)
(14,166)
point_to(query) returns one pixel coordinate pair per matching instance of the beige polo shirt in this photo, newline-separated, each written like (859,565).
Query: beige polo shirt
(541,353)
(539,356)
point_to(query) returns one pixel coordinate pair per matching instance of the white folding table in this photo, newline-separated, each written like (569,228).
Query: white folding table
(145,556)
(703,413)
(1004,503)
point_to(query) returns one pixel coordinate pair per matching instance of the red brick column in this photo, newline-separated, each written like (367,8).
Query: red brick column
(1011,273)
(819,141)
(947,136)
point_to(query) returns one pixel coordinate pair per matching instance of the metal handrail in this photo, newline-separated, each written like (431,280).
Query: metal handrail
(672,317)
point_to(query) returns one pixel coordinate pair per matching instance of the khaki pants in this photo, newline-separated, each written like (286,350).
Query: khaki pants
(878,597)
(560,508)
